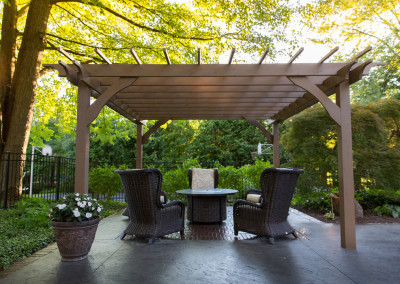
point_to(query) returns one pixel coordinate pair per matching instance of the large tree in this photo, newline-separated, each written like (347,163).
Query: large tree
(350,24)
(33,30)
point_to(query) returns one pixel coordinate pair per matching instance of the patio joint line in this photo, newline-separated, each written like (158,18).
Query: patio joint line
(338,269)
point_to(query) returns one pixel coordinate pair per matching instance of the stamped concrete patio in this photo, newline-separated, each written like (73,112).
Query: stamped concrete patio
(211,254)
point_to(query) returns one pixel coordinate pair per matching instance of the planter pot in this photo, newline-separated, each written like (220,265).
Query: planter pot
(74,240)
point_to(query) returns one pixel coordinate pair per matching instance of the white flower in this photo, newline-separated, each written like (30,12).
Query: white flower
(89,203)
(77,199)
(84,203)
(76,194)
(94,200)
(76,212)
(61,206)
(88,215)
(81,204)
(64,197)
(99,209)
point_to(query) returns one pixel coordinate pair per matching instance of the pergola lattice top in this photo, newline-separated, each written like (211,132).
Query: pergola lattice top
(214,91)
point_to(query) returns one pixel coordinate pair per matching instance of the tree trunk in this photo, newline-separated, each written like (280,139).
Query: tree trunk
(19,97)
(7,63)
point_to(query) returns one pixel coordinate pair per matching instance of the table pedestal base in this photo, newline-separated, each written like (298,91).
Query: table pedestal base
(206,209)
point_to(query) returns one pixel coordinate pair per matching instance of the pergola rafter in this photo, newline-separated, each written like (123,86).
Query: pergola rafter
(253,92)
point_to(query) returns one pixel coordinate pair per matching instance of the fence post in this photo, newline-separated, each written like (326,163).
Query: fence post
(58,178)
(6,180)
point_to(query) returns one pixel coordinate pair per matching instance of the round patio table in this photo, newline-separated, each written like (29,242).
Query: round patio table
(206,205)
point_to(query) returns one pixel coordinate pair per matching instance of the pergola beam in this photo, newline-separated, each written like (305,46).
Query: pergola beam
(263,56)
(98,51)
(264,131)
(210,70)
(153,129)
(135,56)
(330,107)
(207,95)
(329,54)
(231,56)
(296,55)
(166,56)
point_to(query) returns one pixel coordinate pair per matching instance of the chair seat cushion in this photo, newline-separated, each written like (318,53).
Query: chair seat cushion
(256,198)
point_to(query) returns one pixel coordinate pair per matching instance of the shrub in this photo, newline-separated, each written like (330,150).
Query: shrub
(103,181)
(178,179)
(372,198)
(387,209)
(316,200)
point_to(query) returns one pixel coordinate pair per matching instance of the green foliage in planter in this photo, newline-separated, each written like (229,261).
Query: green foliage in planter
(388,209)
(103,181)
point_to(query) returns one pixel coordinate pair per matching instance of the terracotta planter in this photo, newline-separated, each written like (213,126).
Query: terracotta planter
(74,240)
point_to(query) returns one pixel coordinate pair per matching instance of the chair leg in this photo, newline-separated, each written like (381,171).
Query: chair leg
(182,233)
(271,241)
(151,241)
(236,232)
(122,236)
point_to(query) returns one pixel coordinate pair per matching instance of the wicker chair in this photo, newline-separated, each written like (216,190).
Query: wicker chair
(148,216)
(208,184)
(268,217)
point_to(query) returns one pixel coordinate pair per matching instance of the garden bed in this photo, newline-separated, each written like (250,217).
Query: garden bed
(369,217)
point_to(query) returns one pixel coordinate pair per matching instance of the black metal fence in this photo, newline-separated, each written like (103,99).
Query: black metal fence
(50,177)
(34,175)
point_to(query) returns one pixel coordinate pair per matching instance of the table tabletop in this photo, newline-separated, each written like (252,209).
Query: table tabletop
(207,192)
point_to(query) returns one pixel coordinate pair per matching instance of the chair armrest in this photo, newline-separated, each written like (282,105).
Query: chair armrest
(253,191)
(242,202)
(175,203)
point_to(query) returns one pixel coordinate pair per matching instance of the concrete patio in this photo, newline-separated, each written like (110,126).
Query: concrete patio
(216,257)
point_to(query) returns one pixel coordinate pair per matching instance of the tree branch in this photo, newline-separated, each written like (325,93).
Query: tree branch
(21,12)
(138,25)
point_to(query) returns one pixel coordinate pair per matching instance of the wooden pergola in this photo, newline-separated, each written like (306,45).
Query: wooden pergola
(163,92)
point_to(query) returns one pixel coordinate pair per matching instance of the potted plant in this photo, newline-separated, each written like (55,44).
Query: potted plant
(74,222)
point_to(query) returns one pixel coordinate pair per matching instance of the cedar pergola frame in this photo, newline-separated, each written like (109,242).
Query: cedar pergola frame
(142,92)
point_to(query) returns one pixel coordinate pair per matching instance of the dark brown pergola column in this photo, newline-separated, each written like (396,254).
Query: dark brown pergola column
(276,157)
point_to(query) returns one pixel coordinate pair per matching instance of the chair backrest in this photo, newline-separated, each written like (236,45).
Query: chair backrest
(277,186)
(142,191)
(203,178)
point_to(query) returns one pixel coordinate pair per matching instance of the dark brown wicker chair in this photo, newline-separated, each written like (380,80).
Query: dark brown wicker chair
(268,218)
(190,175)
(148,216)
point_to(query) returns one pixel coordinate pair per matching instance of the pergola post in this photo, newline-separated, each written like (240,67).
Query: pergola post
(345,168)
(276,158)
(82,140)
(139,145)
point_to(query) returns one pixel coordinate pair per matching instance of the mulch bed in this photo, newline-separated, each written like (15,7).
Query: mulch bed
(369,217)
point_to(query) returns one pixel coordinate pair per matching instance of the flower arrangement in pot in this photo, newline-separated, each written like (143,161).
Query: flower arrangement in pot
(75,219)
